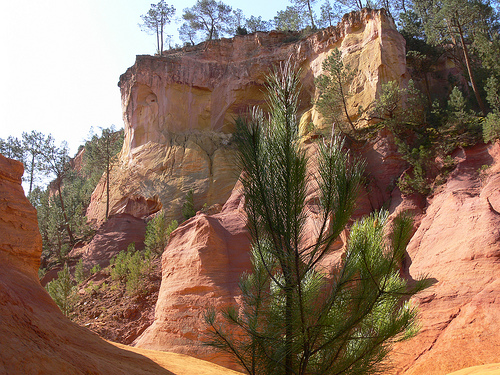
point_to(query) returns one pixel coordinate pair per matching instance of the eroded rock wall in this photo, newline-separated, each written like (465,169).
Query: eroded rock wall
(458,246)
(179,109)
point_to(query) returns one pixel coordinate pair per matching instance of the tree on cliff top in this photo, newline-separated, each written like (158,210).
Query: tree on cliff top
(155,20)
(210,16)
(297,317)
(307,6)
(100,153)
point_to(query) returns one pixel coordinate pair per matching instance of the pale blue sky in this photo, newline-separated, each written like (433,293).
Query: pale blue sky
(61,61)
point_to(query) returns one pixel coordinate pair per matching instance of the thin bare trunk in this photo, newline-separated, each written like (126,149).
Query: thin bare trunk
(311,14)
(66,222)
(469,70)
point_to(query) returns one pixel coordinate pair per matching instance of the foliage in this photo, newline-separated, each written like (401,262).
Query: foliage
(333,86)
(423,137)
(62,291)
(155,20)
(95,269)
(254,24)
(295,318)
(100,154)
(289,19)
(212,17)
(329,15)
(61,207)
(80,274)
(455,23)
(188,210)
(34,146)
(158,233)
(491,125)
(12,148)
(237,23)
(132,268)
(187,34)
(306,6)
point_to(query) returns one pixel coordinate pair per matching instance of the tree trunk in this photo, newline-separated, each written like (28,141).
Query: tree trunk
(469,70)
(107,180)
(311,14)
(32,171)
(344,105)
(157,39)
(66,222)
(161,38)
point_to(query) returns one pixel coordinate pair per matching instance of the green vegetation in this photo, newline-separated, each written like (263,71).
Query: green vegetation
(188,210)
(155,20)
(296,318)
(62,291)
(333,86)
(132,268)
(210,17)
(158,233)
(100,154)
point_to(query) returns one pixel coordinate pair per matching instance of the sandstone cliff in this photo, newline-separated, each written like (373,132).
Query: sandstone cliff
(179,109)
(35,337)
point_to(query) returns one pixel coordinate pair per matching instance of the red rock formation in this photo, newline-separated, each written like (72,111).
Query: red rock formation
(201,267)
(458,245)
(113,236)
(35,337)
(179,109)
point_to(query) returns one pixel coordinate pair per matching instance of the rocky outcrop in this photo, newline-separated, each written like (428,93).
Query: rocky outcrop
(458,245)
(113,236)
(35,337)
(20,240)
(179,109)
(201,267)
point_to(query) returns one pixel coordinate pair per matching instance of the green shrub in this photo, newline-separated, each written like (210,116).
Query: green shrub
(95,269)
(491,127)
(171,227)
(132,267)
(188,210)
(158,233)
(80,274)
(62,291)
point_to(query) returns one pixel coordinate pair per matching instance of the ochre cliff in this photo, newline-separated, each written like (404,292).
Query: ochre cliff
(35,337)
(179,112)
(179,109)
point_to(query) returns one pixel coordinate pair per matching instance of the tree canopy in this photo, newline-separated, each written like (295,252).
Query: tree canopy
(209,16)
(155,20)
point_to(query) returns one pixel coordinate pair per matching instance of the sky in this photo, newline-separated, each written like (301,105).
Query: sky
(61,61)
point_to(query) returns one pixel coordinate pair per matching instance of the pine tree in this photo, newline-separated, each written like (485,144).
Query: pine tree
(295,318)
(155,21)
(333,86)
(100,154)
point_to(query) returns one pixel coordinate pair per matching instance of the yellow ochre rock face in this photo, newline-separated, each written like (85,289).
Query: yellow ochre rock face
(179,109)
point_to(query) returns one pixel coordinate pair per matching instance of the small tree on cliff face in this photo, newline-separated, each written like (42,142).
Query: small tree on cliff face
(100,153)
(333,87)
(294,318)
(155,20)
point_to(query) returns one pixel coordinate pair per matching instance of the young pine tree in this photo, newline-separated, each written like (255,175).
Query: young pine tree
(333,88)
(294,318)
